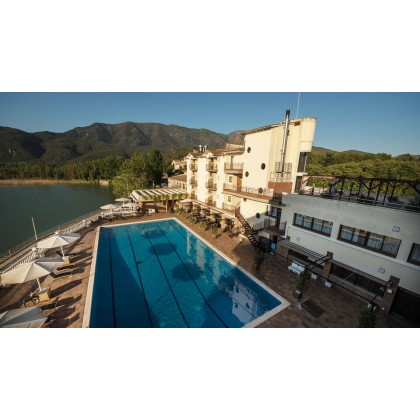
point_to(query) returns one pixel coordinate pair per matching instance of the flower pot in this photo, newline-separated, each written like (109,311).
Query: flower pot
(297,294)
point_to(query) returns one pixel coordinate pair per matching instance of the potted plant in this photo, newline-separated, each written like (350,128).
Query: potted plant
(214,230)
(258,259)
(367,318)
(302,284)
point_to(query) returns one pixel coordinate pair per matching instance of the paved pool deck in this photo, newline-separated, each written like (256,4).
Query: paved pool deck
(338,307)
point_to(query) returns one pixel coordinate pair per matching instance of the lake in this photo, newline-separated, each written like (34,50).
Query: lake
(49,205)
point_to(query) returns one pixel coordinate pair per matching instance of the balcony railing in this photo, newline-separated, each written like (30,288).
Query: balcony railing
(193,166)
(228,206)
(236,168)
(193,195)
(192,181)
(278,178)
(265,193)
(265,223)
(210,202)
(211,167)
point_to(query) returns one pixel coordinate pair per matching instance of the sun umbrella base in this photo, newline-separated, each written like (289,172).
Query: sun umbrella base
(44,294)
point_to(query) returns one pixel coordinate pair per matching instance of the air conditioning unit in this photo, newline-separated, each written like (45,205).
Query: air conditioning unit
(288,167)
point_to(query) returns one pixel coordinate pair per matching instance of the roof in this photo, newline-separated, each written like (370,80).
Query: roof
(152,193)
(269,127)
(182,178)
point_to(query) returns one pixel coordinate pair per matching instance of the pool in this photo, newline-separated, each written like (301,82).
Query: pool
(160,274)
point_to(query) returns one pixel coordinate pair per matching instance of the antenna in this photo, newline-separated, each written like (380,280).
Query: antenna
(297,109)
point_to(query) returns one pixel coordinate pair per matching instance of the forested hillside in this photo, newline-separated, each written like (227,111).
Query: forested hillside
(368,165)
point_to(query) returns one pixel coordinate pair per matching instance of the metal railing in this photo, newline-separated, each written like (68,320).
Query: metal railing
(212,167)
(260,192)
(24,252)
(227,206)
(368,201)
(193,166)
(263,224)
(237,167)
(278,178)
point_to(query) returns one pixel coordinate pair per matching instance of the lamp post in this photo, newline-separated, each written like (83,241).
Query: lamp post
(125,182)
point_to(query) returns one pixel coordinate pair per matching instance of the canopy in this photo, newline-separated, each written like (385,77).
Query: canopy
(31,271)
(23,318)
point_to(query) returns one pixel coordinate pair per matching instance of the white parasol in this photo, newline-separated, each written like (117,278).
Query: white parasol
(31,271)
(58,240)
(23,318)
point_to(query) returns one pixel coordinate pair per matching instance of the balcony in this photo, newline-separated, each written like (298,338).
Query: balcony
(234,168)
(210,202)
(211,185)
(193,181)
(193,166)
(193,195)
(228,207)
(274,177)
(261,194)
(211,167)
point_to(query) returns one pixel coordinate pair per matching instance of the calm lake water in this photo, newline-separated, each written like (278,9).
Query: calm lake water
(50,205)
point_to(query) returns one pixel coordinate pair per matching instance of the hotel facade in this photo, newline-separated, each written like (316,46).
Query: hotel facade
(369,248)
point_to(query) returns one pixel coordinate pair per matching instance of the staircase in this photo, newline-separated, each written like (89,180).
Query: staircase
(249,233)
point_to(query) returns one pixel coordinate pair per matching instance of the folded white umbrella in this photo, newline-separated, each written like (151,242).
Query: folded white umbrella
(122,200)
(110,207)
(31,271)
(58,240)
(23,318)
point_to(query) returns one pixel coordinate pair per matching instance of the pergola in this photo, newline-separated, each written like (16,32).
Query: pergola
(158,195)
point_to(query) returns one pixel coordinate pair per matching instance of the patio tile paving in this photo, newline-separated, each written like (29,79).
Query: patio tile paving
(341,308)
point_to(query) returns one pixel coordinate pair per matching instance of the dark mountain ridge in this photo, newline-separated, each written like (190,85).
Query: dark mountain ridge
(99,140)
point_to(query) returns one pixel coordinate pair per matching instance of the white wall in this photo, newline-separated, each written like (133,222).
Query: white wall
(370,218)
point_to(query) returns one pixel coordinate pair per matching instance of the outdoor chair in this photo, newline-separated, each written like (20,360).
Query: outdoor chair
(32,297)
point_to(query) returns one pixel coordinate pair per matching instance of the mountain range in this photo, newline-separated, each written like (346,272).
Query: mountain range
(99,140)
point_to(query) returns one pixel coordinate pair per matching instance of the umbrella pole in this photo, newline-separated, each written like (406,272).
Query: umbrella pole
(62,252)
(39,284)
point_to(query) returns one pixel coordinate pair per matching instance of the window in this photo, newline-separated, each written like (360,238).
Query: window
(248,150)
(298,219)
(229,199)
(358,280)
(273,211)
(263,166)
(317,225)
(415,254)
(370,240)
(302,161)
(231,179)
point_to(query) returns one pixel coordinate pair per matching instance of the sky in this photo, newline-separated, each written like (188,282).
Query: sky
(370,122)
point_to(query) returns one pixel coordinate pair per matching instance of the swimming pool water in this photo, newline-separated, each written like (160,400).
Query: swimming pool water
(160,274)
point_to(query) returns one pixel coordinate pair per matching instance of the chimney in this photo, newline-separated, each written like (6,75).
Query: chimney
(286,129)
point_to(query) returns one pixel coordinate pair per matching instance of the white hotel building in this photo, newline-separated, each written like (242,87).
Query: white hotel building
(371,249)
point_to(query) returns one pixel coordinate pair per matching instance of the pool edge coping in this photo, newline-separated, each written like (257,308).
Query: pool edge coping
(89,293)
(257,321)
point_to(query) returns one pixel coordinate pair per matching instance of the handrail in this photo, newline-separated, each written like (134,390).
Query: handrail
(25,252)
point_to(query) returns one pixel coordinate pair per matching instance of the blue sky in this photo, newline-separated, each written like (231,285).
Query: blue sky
(372,122)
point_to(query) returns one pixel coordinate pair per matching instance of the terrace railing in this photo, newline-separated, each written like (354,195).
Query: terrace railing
(237,167)
(25,252)
(266,193)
